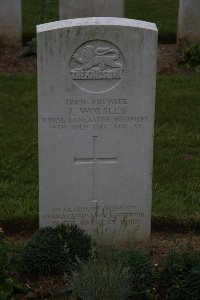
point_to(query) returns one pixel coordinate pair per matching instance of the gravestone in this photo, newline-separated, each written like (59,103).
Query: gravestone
(96,85)
(10,22)
(70,9)
(189,22)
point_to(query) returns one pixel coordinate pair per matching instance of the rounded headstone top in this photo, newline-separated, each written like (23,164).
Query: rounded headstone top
(98,21)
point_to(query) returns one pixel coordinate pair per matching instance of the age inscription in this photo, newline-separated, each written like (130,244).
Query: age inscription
(96,114)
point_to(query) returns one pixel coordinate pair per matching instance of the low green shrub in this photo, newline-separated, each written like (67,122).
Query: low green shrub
(7,284)
(140,273)
(190,57)
(55,250)
(180,276)
(31,49)
(105,278)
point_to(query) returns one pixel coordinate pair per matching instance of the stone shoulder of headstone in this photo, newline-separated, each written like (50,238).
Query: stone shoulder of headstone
(97,21)
(96,99)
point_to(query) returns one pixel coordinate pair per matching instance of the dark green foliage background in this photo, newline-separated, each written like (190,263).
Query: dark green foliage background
(162,12)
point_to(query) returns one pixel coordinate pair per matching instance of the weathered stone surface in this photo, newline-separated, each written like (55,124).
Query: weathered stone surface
(10,22)
(189,22)
(96,89)
(70,9)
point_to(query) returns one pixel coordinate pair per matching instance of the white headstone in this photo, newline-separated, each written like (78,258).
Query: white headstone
(70,9)
(189,22)
(10,22)
(96,85)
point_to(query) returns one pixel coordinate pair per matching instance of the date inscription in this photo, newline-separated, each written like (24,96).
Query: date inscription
(95,114)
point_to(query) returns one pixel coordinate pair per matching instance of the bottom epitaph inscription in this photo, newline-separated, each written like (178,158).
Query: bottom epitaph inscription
(94,215)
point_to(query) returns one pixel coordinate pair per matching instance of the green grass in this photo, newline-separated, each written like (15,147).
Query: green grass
(176,188)
(18,151)
(36,12)
(177,144)
(162,12)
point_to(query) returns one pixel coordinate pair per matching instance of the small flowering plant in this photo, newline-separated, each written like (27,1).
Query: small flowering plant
(7,284)
(2,238)
(1,232)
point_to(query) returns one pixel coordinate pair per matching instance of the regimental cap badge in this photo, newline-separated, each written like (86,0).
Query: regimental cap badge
(97,61)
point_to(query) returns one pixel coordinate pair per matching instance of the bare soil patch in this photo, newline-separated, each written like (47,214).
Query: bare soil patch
(168,56)
(12,63)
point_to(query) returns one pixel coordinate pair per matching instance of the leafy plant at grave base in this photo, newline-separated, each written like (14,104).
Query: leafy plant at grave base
(140,273)
(190,57)
(7,284)
(105,278)
(180,276)
(55,250)
(31,48)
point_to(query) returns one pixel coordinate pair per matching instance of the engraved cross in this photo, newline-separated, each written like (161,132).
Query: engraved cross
(95,160)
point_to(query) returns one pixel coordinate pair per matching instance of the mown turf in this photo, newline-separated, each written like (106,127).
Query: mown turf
(37,12)
(176,187)
(162,12)
(18,151)
(177,144)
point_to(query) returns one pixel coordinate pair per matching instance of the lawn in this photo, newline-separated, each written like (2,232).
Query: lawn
(37,12)
(162,12)
(176,189)
(18,151)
